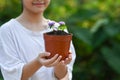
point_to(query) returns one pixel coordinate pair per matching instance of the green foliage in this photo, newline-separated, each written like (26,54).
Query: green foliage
(112,56)
(96,31)
(59,10)
(9,9)
(63,27)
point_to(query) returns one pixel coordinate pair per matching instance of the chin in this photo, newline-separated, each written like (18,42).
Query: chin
(38,11)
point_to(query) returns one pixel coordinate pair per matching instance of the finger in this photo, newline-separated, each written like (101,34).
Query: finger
(51,60)
(62,62)
(70,55)
(57,61)
(68,60)
(41,56)
(45,54)
(70,52)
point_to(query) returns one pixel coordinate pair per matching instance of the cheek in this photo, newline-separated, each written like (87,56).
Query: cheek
(27,2)
(48,2)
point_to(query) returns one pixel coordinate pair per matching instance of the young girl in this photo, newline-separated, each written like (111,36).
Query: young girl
(22,54)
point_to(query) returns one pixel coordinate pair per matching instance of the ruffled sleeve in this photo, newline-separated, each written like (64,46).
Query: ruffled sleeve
(10,63)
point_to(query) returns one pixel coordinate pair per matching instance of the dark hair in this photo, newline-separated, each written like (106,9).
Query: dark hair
(21,5)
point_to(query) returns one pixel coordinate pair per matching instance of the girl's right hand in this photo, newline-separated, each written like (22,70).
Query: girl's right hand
(48,62)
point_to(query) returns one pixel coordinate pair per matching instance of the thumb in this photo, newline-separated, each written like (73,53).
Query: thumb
(44,54)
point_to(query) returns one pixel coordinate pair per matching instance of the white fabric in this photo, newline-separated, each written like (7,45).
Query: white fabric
(19,46)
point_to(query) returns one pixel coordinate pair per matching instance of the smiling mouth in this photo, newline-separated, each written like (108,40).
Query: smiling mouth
(38,3)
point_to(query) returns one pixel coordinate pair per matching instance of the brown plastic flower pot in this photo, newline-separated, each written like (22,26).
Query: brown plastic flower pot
(57,44)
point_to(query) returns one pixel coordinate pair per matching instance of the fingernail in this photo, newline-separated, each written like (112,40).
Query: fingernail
(48,53)
(60,56)
(66,58)
(63,61)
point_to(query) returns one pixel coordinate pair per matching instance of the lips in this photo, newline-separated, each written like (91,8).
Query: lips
(38,3)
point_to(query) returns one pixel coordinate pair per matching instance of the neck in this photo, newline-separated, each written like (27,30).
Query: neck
(34,22)
(32,17)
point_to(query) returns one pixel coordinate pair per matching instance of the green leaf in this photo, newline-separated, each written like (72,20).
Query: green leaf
(98,37)
(63,27)
(99,24)
(113,29)
(112,56)
(81,33)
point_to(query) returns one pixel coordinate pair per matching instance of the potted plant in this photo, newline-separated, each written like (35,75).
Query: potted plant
(58,40)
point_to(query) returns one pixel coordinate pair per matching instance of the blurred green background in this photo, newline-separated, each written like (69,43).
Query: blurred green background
(95,25)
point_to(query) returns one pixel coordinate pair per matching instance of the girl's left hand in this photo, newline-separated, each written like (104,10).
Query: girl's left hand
(60,70)
(68,60)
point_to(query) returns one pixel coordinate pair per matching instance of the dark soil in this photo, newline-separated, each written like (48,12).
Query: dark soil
(59,32)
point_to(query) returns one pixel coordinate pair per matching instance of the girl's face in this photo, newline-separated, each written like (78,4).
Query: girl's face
(35,6)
